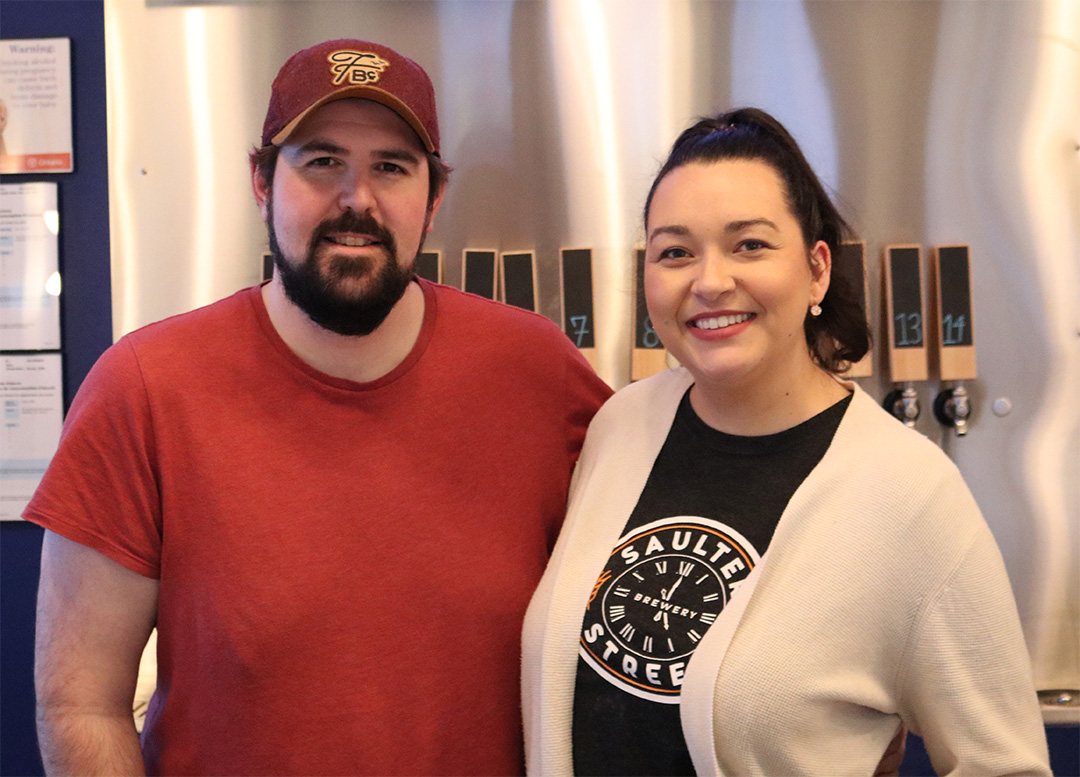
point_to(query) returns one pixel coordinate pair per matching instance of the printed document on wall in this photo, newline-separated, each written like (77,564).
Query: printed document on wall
(33,409)
(29,270)
(35,106)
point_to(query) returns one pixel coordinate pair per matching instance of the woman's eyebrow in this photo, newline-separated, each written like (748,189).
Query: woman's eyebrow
(738,226)
(674,229)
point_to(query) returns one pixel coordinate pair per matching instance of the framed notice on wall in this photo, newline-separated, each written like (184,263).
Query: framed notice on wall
(35,106)
(29,276)
(32,396)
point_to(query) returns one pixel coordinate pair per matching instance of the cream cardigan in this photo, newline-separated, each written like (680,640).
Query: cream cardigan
(882,598)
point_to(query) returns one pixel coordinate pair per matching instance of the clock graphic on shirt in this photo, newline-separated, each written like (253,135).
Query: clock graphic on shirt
(664,585)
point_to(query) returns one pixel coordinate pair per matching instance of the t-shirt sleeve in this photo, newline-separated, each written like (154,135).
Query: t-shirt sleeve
(101,488)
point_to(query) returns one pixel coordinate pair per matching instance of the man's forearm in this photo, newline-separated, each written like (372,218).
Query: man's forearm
(88,744)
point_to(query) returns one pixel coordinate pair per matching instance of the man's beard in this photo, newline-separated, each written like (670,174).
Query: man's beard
(319,294)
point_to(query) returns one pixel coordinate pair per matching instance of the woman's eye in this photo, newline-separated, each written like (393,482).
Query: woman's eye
(753,245)
(673,253)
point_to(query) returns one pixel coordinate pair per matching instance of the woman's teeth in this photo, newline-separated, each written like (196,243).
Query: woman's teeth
(719,322)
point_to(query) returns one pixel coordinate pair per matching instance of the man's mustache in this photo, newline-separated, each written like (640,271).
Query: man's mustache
(362,223)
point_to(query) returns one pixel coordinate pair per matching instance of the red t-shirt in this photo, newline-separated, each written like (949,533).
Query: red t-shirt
(344,567)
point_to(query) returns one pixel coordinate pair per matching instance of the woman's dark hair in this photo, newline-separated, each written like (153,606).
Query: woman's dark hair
(265,161)
(840,336)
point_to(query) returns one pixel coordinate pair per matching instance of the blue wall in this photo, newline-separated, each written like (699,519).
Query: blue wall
(86,324)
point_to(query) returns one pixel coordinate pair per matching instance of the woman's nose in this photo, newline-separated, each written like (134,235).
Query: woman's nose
(714,277)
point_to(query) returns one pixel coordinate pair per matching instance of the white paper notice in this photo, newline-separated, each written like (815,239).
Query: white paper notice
(33,415)
(29,277)
(35,106)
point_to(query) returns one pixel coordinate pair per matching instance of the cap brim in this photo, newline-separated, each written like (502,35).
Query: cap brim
(372,93)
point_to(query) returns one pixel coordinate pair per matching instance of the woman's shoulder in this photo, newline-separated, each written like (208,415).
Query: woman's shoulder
(662,388)
(638,416)
(889,469)
(880,440)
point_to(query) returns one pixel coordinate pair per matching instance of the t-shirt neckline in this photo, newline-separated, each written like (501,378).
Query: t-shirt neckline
(427,327)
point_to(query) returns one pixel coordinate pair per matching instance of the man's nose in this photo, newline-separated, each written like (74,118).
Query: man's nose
(356,194)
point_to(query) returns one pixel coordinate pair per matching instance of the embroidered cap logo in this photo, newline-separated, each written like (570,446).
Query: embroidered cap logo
(356,67)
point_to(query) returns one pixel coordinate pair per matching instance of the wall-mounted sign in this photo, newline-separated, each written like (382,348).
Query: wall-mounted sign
(478,273)
(35,106)
(518,271)
(32,395)
(29,276)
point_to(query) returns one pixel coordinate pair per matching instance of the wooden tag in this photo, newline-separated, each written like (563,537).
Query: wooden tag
(575,284)
(955,333)
(906,319)
(649,356)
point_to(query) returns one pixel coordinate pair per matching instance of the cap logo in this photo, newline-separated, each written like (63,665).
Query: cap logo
(356,67)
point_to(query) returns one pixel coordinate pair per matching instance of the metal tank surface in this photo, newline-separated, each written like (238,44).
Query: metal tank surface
(934,123)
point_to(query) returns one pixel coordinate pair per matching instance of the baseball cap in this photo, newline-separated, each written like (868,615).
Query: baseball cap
(336,69)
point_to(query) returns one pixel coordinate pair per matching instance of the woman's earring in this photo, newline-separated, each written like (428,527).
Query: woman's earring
(815,310)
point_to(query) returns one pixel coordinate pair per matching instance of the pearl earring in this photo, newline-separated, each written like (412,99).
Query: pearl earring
(815,310)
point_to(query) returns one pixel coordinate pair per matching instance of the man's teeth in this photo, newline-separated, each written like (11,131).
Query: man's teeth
(352,241)
(721,321)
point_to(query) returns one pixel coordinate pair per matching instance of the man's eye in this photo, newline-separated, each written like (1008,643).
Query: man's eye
(389,167)
(321,161)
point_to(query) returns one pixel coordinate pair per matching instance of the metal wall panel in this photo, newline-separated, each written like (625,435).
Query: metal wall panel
(934,122)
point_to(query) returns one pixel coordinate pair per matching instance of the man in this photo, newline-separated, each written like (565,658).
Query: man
(333,494)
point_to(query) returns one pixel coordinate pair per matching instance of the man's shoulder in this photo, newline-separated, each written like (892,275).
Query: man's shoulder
(491,317)
(216,320)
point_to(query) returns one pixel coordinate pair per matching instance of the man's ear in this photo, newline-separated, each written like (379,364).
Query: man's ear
(435,203)
(260,187)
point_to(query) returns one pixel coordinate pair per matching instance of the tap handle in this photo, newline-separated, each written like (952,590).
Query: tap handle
(903,404)
(953,408)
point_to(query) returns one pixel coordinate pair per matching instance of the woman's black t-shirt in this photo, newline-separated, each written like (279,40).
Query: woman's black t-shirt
(706,515)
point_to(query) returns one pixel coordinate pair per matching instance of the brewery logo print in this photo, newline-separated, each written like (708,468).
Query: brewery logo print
(665,583)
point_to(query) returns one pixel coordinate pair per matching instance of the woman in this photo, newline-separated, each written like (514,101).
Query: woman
(761,571)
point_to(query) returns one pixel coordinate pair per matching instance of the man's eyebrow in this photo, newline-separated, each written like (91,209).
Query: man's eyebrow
(320,146)
(398,155)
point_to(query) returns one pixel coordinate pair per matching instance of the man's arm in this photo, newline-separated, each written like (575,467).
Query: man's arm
(93,619)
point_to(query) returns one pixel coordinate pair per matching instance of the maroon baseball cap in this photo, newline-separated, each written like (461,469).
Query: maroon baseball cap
(350,68)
